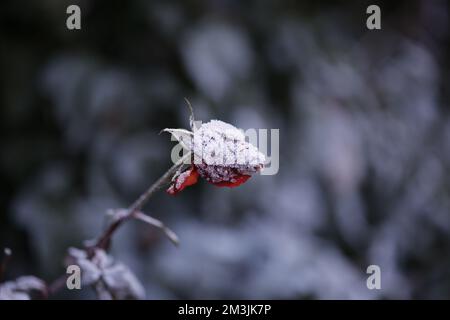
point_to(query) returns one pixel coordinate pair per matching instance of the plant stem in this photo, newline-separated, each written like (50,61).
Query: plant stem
(132,212)
(134,209)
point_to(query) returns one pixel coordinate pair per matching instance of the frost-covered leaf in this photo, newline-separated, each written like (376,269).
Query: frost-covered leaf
(102,291)
(183,136)
(221,153)
(90,271)
(111,279)
(28,283)
(122,283)
(220,143)
(21,288)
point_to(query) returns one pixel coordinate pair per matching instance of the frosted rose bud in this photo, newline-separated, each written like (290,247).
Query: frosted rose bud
(221,155)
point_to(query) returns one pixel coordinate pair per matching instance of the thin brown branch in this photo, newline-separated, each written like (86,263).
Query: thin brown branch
(133,211)
(105,238)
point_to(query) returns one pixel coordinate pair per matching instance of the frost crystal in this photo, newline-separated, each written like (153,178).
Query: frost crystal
(221,153)
(20,288)
(181,179)
(112,280)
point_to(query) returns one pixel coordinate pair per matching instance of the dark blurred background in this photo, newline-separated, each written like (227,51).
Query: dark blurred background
(364,143)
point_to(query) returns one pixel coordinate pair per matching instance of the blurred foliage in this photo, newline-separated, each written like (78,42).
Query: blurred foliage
(364,127)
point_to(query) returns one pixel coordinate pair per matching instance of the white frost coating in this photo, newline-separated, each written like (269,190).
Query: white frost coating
(183,136)
(182,178)
(178,180)
(222,154)
(121,282)
(20,288)
(220,143)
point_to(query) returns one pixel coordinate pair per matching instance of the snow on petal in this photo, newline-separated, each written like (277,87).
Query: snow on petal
(183,180)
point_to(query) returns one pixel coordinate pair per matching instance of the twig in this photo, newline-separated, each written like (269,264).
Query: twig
(132,212)
(105,238)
